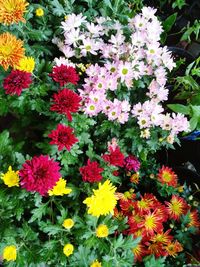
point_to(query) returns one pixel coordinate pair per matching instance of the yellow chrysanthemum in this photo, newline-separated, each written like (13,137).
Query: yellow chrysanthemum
(26,64)
(103,201)
(11,50)
(10,178)
(59,189)
(68,223)
(12,11)
(102,231)
(96,263)
(10,253)
(68,249)
(39,12)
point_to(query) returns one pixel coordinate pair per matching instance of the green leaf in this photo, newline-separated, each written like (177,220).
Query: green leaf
(169,22)
(150,261)
(180,108)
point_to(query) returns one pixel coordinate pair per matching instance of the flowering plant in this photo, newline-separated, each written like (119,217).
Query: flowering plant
(84,188)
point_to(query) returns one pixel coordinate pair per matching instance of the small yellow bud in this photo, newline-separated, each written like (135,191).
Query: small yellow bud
(39,12)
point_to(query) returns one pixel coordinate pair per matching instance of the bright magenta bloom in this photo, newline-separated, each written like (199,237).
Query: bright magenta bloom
(39,174)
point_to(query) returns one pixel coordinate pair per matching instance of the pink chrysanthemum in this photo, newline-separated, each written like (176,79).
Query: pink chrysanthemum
(63,136)
(16,81)
(131,163)
(66,102)
(64,74)
(39,174)
(91,172)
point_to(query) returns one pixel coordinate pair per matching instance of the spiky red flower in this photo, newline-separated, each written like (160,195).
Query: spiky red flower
(194,220)
(139,252)
(167,176)
(115,157)
(66,102)
(39,174)
(91,172)
(173,248)
(16,81)
(63,136)
(131,163)
(176,207)
(151,223)
(64,74)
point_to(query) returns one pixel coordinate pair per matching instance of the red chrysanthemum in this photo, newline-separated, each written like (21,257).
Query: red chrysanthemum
(64,74)
(131,163)
(66,102)
(139,252)
(39,174)
(91,172)
(16,81)
(167,176)
(194,220)
(116,157)
(176,207)
(152,223)
(63,136)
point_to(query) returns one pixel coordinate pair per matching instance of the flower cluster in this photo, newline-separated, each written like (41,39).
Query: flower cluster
(125,60)
(147,217)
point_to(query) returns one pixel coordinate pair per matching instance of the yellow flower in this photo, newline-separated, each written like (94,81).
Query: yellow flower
(60,188)
(68,223)
(12,11)
(102,231)
(11,50)
(103,201)
(26,64)
(68,249)
(10,253)
(10,178)
(39,12)
(96,263)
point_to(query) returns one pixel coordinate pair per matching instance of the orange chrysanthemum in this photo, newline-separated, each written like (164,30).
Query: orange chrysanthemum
(173,248)
(152,223)
(139,252)
(176,207)
(167,176)
(194,220)
(157,249)
(12,11)
(146,202)
(11,50)
(163,238)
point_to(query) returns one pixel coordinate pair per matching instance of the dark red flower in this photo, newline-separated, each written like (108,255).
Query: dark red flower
(91,172)
(39,174)
(63,137)
(64,74)
(16,81)
(66,102)
(131,163)
(115,157)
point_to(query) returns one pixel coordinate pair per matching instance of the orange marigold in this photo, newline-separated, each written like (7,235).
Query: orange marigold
(176,207)
(11,50)
(167,176)
(12,11)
